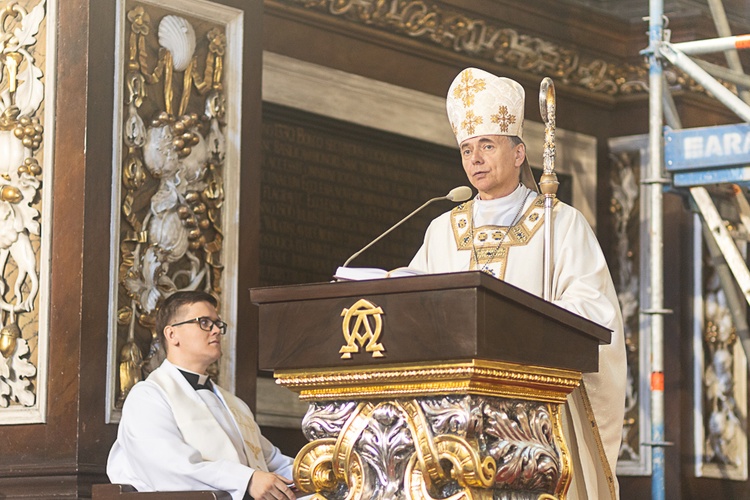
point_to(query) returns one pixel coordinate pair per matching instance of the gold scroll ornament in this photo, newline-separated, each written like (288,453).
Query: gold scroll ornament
(362,312)
(318,466)
(324,463)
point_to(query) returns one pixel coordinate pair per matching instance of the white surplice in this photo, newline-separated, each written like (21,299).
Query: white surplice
(172,437)
(476,236)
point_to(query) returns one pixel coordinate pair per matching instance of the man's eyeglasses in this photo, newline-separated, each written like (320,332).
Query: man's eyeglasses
(205,323)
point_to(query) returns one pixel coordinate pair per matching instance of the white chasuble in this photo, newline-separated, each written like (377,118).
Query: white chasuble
(581,283)
(488,244)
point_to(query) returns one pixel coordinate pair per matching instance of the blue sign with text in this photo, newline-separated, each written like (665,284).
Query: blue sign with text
(733,175)
(707,147)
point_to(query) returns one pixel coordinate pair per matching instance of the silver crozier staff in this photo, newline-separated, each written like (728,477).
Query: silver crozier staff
(548,183)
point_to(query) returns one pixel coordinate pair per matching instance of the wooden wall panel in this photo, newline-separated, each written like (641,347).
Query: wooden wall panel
(49,449)
(329,188)
(64,456)
(248,223)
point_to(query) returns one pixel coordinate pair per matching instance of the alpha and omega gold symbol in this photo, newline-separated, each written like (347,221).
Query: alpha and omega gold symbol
(368,317)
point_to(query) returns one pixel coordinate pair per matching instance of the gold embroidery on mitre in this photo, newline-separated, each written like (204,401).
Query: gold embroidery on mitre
(492,259)
(468,88)
(503,118)
(471,122)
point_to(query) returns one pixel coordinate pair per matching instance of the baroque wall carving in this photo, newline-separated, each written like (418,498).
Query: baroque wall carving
(720,404)
(724,418)
(627,160)
(624,181)
(486,39)
(25,197)
(177,150)
(720,367)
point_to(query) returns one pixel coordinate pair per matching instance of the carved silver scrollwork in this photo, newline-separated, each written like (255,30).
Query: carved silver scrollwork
(520,437)
(325,420)
(449,414)
(385,446)
(429,448)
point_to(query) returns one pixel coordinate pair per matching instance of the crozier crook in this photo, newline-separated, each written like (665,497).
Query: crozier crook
(548,183)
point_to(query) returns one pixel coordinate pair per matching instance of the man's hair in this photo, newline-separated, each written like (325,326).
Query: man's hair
(515,140)
(166,313)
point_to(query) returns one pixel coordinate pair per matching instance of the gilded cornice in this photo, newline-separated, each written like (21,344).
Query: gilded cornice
(480,377)
(486,40)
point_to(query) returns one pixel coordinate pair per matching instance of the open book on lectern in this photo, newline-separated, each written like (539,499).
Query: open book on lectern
(373,273)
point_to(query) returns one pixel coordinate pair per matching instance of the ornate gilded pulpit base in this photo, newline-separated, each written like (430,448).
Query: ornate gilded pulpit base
(461,430)
(438,391)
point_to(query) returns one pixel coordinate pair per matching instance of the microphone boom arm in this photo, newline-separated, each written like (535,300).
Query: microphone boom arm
(354,256)
(458,194)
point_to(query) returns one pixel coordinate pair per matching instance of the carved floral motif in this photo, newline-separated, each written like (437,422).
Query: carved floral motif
(724,429)
(624,208)
(21,135)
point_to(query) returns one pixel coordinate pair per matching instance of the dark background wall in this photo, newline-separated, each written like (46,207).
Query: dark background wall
(314,190)
(328,188)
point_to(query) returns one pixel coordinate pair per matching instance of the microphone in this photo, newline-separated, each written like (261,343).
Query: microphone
(457,194)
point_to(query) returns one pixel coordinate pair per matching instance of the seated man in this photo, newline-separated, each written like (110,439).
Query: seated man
(179,431)
(500,232)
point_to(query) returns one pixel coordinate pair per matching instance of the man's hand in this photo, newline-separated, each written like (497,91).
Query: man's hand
(270,486)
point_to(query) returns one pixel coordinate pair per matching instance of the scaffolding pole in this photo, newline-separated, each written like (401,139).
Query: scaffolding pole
(674,55)
(722,28)
(651,190)
(662,106)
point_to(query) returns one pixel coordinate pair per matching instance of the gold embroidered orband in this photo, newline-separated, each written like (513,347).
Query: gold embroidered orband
(485,254)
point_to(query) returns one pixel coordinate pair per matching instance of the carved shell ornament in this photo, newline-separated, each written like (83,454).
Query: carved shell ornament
(178,37)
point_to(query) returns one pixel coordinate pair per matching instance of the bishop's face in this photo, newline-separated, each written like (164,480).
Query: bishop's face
(190,346)
(493,164)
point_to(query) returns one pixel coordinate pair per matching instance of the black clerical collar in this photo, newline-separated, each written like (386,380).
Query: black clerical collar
(197,381)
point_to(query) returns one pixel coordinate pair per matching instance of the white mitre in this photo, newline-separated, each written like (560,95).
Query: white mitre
(480,103)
